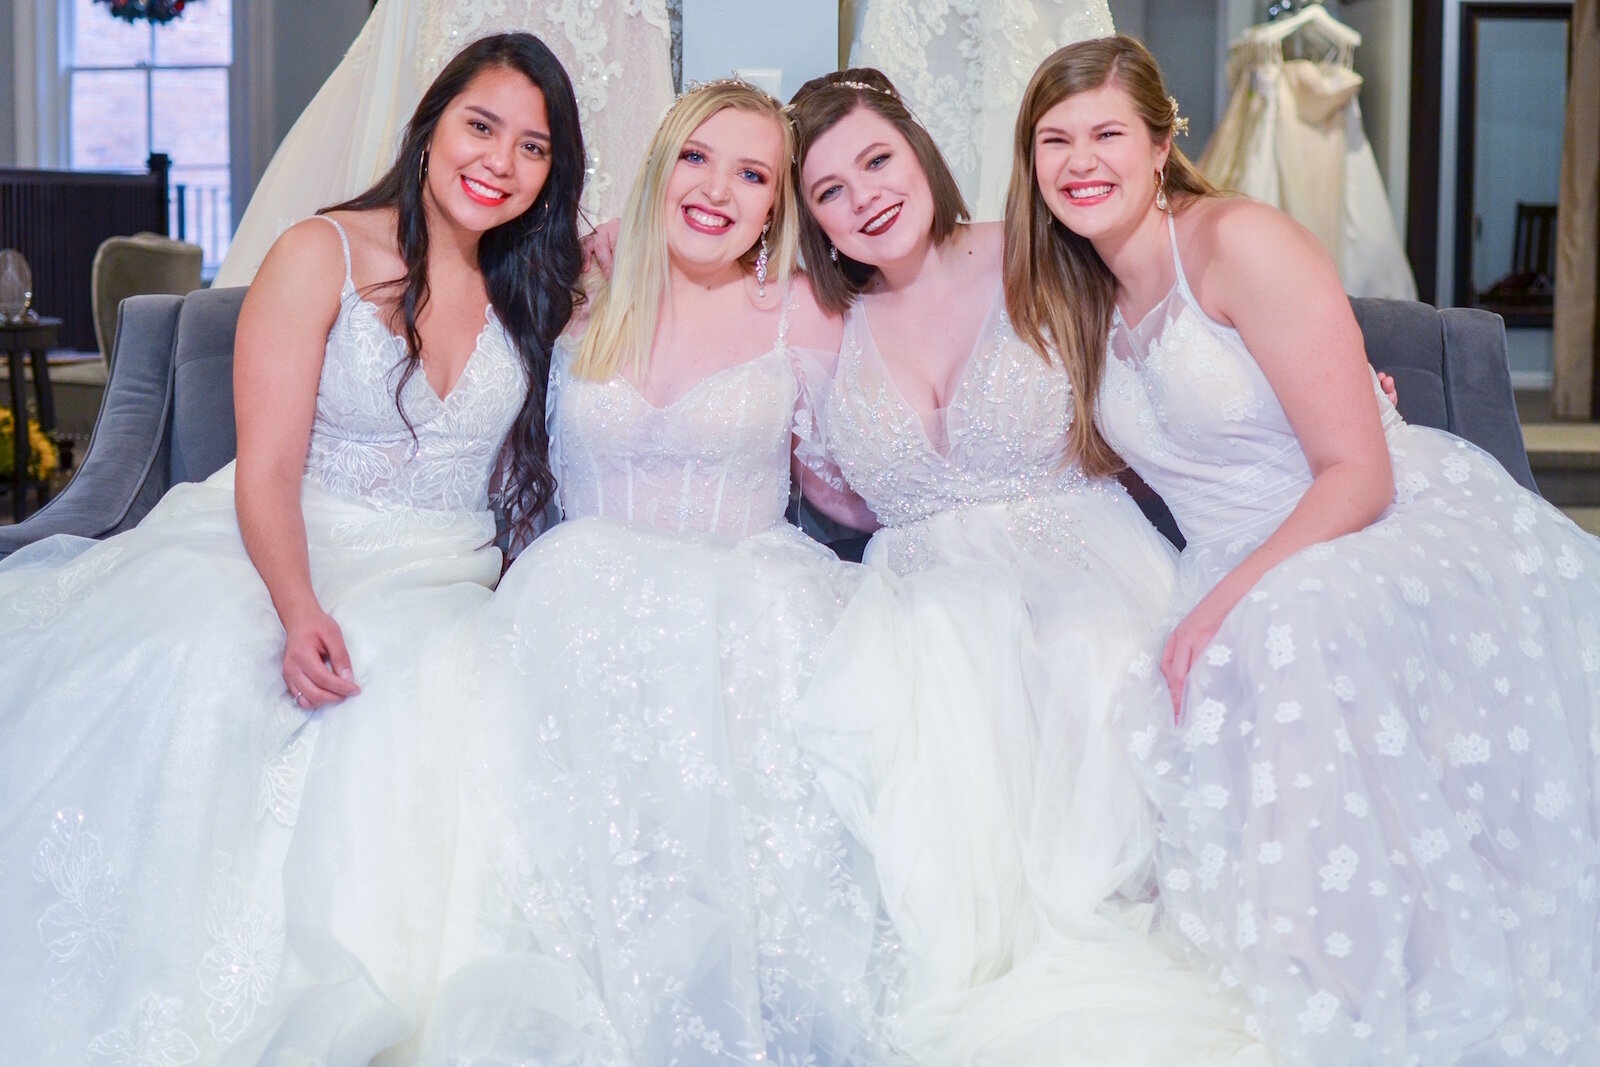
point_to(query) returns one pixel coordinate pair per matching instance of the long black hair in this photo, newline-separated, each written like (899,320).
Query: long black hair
(530,265)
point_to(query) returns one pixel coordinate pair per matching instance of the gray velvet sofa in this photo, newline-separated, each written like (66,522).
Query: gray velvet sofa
(168,410)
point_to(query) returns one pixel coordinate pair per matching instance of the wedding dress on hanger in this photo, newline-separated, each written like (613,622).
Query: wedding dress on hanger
(961,66)
(1292,137)
(347,136)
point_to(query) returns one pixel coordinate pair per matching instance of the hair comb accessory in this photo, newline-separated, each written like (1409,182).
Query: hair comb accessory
(1180,124)
(866,86)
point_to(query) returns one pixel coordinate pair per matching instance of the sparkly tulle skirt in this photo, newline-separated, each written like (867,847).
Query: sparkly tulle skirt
(193,869)
(975,753)
(662,830)
(1381,808)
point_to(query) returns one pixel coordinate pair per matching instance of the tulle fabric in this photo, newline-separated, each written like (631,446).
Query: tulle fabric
(1011,840)
(195,869)
(641,689)
(1379,812)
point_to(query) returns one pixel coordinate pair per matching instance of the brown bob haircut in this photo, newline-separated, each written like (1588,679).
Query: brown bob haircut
(815,109)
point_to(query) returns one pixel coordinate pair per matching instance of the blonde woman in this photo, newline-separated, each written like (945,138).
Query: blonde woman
(647,654)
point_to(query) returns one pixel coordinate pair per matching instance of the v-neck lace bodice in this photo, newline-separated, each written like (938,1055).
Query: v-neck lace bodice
(361,445)
(1001,437)
(715,460)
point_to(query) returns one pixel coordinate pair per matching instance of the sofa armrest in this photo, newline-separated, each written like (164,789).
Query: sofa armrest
(1483,408)
(124,471)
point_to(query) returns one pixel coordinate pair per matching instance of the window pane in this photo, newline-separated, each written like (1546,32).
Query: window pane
(109,130)
(101,40)
(191,116)
(206,214)
(202,34)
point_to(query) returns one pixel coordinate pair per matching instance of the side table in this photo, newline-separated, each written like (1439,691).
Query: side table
(32,340)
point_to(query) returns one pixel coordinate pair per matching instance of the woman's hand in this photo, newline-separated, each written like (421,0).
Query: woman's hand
(316,665)
(1392,394)
(600,247)
(1190,641)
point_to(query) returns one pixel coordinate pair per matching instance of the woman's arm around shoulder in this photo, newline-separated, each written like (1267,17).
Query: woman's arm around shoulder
(1254,268)
(278,352)
(814,338)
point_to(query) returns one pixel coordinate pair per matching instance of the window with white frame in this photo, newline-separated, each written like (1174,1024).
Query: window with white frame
(138,88)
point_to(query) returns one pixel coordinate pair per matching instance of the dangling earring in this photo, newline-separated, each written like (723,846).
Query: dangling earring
(761,262)
(833,252)
(422,168)
(1161,189)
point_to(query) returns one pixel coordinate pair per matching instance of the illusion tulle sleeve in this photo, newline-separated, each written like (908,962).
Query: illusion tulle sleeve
(813,369)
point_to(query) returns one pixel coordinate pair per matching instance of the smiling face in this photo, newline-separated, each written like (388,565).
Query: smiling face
(1095,163)
(489,155)
(721,189)
(866,188)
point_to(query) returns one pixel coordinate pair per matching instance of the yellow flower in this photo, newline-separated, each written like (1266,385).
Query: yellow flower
(43,459)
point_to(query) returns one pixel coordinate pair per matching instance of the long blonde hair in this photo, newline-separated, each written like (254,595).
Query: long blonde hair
(1059,293)
(622,324)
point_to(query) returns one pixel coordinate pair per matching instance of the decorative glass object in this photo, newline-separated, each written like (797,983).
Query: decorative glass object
(16,287)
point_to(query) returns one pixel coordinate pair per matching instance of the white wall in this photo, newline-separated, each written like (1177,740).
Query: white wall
(797,39)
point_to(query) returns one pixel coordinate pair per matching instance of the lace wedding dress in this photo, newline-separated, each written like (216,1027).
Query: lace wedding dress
(1011,840)
(1380,807)
(642,665)
(192,868)
(961,66)
(347,136)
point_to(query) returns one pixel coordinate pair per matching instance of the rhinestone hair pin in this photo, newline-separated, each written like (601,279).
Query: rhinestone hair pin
(1180,123)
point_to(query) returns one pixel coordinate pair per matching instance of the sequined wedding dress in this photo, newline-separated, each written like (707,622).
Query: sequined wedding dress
(347,136)
(961,66)
(1010,837)
(642,664)
(1379,810)
(192,868)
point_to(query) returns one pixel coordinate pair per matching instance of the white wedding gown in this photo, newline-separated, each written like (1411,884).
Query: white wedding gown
(347,136)
(1010,837)
(641,666)
(1380,808)
(192,868)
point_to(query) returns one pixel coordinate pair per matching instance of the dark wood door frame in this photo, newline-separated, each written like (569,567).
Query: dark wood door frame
(1428,47)
(1472,13)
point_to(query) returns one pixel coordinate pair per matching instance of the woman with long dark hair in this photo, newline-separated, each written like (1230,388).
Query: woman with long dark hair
(230,823)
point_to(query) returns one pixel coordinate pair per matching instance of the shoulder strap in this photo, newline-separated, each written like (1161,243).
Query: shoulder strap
(1177,262)
(344,242)
(783,316)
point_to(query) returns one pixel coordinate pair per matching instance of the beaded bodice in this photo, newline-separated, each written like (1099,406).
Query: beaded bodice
(361,445)
(1002,437)
(713,461)
(1184,402)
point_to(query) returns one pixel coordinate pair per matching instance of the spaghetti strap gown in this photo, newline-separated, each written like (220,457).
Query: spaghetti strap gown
(194,870)
(1379,808)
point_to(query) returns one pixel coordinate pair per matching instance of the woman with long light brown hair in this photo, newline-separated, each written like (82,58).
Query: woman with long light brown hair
(1372,737)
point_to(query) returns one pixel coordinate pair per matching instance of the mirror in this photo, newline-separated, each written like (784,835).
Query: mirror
(1514,63)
